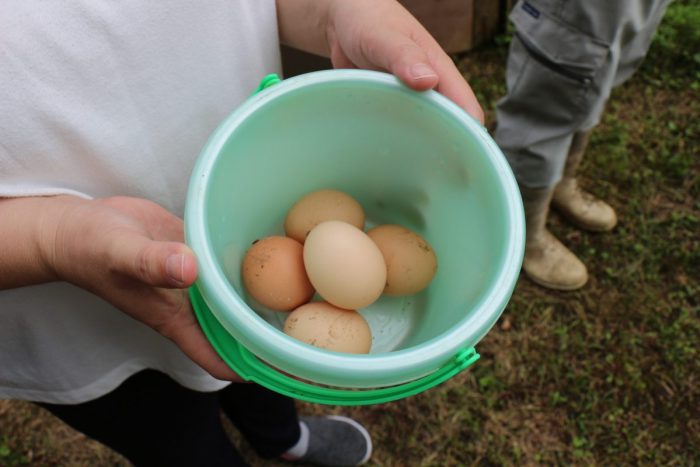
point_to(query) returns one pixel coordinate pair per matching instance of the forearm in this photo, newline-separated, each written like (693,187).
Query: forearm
(27,226)
(303,24)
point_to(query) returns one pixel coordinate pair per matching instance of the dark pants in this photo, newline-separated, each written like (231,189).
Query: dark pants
(153,421)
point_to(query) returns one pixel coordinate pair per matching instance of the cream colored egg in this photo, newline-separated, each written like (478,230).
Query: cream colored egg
(323,325)
(320,206)
(411,262)
(274,275)
(344,265)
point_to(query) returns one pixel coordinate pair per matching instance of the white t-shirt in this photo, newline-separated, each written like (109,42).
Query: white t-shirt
(102,98)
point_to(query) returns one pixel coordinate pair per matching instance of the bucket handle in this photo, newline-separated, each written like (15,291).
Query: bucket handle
(267,81)
(251,368)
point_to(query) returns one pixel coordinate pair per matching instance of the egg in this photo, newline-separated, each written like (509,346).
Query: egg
(344,265)
(274,275)
(323,325)
(320,206)
(411,262)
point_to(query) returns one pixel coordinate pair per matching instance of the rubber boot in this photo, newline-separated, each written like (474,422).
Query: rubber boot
(578,206)
(547,261)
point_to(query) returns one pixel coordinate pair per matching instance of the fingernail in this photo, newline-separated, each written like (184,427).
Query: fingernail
(175,267)
(421,70)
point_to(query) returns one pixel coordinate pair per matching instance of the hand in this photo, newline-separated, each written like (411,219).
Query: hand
(129,251)
(381,34)
(376,35)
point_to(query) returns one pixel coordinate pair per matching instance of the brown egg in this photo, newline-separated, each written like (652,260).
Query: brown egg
(344,265)
(322,325)
(274,275)
(320,206)
(410,261)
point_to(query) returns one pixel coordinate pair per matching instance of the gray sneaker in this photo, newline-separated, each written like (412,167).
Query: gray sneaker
(336,441)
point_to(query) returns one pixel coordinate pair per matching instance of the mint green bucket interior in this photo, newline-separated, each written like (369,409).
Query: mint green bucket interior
(409,158)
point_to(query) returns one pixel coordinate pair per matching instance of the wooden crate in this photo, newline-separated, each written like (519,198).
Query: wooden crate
(460,25)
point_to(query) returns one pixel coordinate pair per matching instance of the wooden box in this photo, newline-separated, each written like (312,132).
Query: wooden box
(458,25)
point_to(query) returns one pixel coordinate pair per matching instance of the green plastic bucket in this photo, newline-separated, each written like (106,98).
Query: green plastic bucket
(410,158)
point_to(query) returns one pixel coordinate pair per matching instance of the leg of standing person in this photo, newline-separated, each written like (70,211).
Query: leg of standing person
(580,207)
(153,421)
(269,422)
(562,65)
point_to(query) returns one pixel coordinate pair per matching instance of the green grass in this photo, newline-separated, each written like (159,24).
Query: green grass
(608,375)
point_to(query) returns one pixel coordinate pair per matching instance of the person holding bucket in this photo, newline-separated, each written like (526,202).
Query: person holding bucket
(104,109)
(564,60)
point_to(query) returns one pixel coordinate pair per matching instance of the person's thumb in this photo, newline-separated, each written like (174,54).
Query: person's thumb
(404,59)
(159,264)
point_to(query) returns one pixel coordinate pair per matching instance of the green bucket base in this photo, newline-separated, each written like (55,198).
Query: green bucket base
(250,368)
